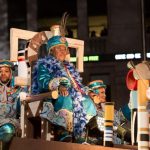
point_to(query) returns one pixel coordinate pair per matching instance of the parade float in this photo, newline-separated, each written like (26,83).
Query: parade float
(36,132)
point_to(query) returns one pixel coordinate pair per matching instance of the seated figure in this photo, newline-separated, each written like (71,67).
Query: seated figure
(73,108)
(97,93)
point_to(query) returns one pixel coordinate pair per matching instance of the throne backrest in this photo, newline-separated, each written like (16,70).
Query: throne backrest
(30,53)
(24,59)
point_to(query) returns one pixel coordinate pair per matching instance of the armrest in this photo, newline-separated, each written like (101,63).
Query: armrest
(38,97)
(33,102)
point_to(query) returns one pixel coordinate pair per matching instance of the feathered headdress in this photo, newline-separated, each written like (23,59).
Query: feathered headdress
(58,32)
(63,23)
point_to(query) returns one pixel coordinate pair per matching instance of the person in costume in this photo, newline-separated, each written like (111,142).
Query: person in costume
(9,102)
(73,108)
(97,91)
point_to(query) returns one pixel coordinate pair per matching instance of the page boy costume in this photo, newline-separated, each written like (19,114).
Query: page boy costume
(9,105)
(119,120)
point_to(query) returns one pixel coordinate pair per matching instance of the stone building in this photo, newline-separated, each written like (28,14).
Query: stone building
(125,22)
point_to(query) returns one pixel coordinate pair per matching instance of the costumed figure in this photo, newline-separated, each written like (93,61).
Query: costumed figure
(130,110)
(139,79)
(9,102)
(73,108)
(97,93)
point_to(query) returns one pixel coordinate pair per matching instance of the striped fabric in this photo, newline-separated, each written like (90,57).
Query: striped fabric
(108,124)
(143,116)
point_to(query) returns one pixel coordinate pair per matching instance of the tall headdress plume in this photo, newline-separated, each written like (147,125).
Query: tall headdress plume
(63,23)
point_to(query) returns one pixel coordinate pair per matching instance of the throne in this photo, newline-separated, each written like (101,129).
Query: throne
(32,125)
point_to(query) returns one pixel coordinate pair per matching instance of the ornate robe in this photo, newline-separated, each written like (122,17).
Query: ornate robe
(9,105)
(73,111)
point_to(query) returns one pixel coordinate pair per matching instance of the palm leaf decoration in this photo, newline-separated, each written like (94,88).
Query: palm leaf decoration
(63,23)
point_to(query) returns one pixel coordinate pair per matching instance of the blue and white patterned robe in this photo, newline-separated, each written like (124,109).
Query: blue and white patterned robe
(73,111)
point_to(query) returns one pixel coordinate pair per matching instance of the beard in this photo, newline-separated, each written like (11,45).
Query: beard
(5,81)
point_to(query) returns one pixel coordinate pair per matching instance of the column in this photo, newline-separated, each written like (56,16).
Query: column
(4,45)
(82,22)
(124,26)
(32,15)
